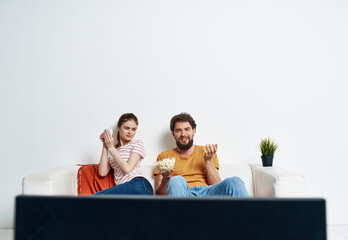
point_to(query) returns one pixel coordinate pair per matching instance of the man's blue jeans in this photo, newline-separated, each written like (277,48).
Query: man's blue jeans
(233,186)
(138,186)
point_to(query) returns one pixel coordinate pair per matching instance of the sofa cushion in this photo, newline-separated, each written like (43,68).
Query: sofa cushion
(241,170)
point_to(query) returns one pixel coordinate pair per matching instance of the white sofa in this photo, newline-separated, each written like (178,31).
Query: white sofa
(259,181)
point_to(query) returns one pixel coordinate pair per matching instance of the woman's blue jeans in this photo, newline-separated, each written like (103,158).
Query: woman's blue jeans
(233,186)
(138,186)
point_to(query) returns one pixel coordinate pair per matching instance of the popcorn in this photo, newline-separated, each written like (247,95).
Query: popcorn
(165,165)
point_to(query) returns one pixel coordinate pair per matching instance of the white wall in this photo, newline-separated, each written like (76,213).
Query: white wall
(243,69)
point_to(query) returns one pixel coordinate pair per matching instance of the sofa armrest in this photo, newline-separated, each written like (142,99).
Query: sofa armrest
(277,182)
(58,181)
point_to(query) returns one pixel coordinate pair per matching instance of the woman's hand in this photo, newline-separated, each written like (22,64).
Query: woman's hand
(210,150)
(102,137)
(108,139)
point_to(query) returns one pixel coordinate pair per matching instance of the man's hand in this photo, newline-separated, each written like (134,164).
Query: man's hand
(210,150)
(167,175)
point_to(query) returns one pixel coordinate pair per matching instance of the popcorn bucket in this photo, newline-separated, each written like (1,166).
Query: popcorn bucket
(165,165)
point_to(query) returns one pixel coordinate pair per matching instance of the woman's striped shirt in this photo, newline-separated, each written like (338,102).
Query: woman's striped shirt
(135,146)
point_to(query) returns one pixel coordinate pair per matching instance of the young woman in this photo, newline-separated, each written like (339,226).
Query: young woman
(125,158)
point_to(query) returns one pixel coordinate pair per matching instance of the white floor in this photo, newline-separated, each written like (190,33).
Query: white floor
(6,234)
(333,233)
(336,232)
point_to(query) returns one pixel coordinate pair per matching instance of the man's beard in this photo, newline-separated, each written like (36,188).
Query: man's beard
(184,147)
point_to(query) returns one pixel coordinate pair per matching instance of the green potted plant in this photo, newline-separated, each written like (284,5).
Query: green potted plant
(267,148)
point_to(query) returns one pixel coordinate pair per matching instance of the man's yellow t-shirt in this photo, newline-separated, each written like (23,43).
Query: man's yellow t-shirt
(192,168)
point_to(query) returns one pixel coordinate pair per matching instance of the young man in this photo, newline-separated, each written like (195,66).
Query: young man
(196,170)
